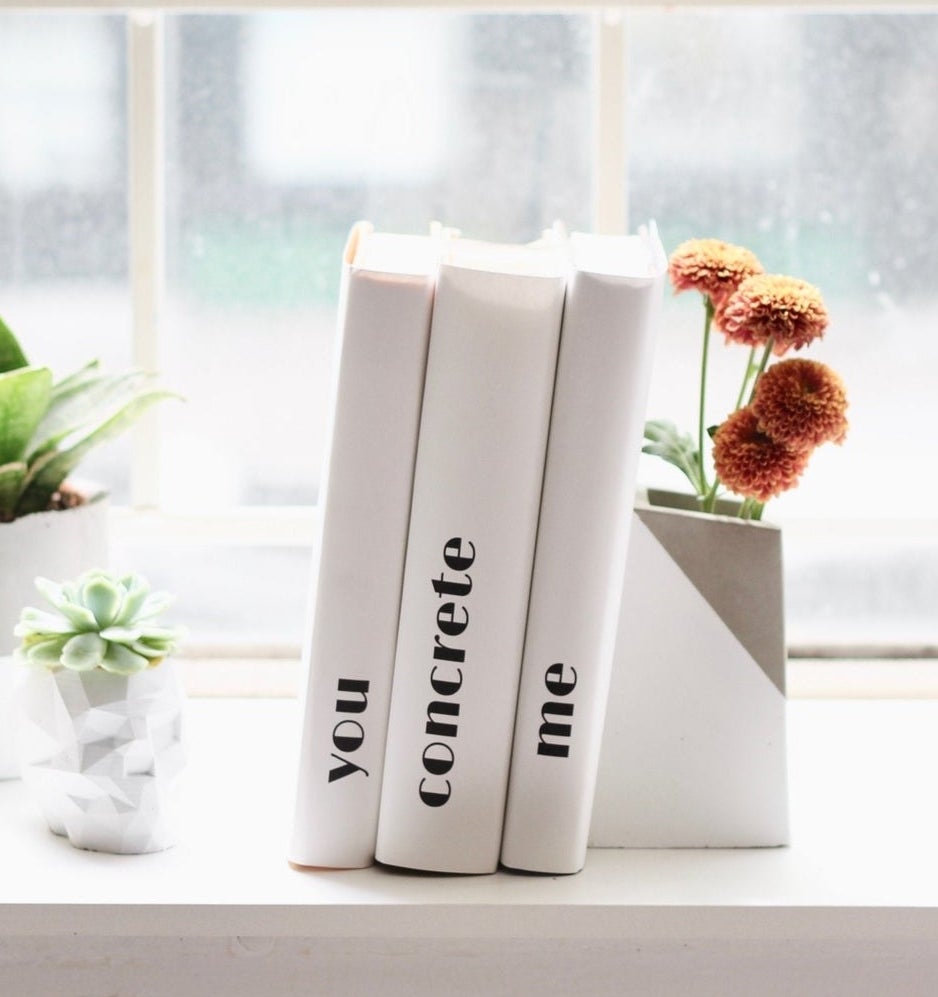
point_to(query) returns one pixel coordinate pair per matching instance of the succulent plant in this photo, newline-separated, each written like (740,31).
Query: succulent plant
(47,427)
(101,620)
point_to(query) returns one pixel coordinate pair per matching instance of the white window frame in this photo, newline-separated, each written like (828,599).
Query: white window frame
(294,526)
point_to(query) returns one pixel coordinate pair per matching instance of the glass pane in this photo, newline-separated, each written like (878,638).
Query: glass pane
(284,129)
(811,139)
(63,198)
(227,595)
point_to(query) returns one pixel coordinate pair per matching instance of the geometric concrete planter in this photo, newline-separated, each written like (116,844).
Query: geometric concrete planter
(100,753)
(694,747)
(59,544)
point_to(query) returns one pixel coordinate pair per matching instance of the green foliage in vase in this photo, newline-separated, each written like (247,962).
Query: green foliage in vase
(47,427)
(101,620)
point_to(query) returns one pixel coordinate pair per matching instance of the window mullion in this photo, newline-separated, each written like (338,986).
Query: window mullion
(146,209)
(610,206)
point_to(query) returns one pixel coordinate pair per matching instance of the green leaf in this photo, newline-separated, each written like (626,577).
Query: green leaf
(24,398)
(136,590)
(12,477)
(76,380)
(103,599)
(668,443)
(11,353)
(155,604)
(84,652)
(122,661)
(46,651)
(121,635)
(90,400)
(39,623)
(80,617)
(151,651)
(50,470)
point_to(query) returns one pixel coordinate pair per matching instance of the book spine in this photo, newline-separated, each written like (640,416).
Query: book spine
(358,565)
(604,368)
(480,463)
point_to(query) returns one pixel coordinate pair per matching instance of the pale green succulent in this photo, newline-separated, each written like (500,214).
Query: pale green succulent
(101,620)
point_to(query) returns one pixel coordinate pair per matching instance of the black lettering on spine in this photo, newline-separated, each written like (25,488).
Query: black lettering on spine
(435,799)
(349,735)
(452,619)
(434,727)
(356,686)
(553,738)
(347,768)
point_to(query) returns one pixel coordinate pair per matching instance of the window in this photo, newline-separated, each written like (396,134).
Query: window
(246,144)
(807,137)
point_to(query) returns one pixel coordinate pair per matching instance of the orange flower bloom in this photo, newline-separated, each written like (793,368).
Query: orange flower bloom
(802,403)
(712,267)
(752,463)
(786,310)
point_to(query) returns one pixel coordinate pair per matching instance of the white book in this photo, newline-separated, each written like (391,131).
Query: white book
(480,463)
(603,372)
(384,327)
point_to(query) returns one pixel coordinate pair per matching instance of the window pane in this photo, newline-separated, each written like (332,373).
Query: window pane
(811,139)
(284,129)
(227,595)
(63,198)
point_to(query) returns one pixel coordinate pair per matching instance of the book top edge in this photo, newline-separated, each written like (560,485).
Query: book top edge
(405,255)
(633,257)
(540,259)
(638,257)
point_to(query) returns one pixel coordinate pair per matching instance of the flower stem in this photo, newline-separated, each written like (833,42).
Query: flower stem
(701,413)
(766,353)
(746,377)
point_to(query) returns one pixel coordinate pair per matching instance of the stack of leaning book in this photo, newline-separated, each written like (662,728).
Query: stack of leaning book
(487,418)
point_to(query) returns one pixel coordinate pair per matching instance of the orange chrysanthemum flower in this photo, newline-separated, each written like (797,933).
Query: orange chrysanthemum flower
(786,310)
(712,267)
(802,403)
(750,462)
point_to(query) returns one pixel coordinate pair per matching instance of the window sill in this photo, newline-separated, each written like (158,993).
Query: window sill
(275,672)
(855,896)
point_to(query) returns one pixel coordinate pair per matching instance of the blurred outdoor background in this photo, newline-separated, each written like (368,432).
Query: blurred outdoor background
(811,138)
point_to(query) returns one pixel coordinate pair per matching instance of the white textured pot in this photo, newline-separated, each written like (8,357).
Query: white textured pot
(694,748)
(101,753)
(57,545)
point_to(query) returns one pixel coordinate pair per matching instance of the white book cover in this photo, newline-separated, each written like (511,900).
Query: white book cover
(603,373)
(385,311)
(480,463)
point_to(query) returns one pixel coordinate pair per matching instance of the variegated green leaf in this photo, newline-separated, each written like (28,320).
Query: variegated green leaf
(24,396)
(11,353)
(50,470)
(12,478)
(91,399)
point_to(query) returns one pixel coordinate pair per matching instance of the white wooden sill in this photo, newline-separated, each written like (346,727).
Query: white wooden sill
(850,908)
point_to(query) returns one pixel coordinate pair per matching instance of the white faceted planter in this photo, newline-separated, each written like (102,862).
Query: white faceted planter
(59,544)
(101,752)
